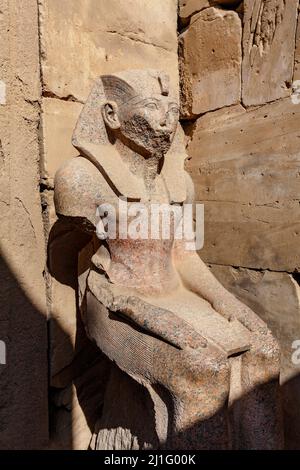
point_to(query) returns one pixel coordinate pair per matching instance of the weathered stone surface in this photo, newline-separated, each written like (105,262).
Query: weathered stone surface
(78,407)
(58,121)
(297,52)
(210,62)
(268,50)
(275,297)
(125,402)
(98,40)
(245,166)
(67,336)
(187,8)
(63,326)
(23,326)
(62,322)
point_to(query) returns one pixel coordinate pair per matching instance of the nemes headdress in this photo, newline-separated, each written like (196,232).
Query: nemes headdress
(91,139)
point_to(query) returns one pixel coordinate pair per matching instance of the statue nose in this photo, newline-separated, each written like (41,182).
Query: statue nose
(163,121)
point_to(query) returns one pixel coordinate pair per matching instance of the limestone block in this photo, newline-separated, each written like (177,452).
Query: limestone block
(187,8)
(245,166)
(23,322)
(268,50)
(58,120)
(95,39)
(210,62)
(275,297)
(78,406)
(297,53)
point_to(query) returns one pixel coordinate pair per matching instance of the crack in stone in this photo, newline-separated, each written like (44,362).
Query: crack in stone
(72,98)
(138,40)
(4,202)
(259,270)
(270,205)
(28,214)
(2,156)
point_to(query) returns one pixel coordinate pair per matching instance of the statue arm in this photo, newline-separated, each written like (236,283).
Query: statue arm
(161,322)
(154,320)
(197,277)
(75,189)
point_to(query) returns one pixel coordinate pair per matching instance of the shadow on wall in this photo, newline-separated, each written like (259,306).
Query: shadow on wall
(291,396)
(24,376)
(77,391)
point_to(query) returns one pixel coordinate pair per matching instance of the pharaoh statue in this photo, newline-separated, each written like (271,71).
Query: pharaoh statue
(202,367)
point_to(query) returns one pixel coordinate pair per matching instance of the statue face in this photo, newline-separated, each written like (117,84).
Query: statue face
(147,124)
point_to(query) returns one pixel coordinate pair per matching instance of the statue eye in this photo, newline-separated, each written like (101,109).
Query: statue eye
(174,110)
(151,105)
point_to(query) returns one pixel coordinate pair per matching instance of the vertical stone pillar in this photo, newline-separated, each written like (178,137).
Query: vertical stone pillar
(23,325)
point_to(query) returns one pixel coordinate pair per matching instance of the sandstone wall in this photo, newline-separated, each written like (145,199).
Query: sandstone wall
(239,62)
(239,65)
(51,52)
(23,380)
(84,39)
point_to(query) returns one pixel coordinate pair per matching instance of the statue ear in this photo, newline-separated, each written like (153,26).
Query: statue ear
(110,115)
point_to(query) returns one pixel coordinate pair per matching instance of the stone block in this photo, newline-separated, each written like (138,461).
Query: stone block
(188,8)
(58,120)
(94,39)
(23,320)
(245,166)
(210,62)
(268,50)
(275,297)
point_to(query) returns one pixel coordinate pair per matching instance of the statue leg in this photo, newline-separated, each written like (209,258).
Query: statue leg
(189,388)
(199,387)
(127,420)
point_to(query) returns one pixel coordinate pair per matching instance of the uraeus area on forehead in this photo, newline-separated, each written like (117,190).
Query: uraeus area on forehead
(139,100)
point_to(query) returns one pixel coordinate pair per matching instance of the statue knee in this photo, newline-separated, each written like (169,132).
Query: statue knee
(266,355)
(195,371)
(268,349)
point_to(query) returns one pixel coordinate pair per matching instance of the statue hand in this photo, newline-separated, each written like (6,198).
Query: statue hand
(232,309)
(159,321)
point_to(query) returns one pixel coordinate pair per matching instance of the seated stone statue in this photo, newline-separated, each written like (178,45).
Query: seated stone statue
(204,364)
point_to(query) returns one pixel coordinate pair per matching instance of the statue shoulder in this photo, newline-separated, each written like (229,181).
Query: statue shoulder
(77,189)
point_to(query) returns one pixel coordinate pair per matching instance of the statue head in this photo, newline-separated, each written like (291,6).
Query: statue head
(138,108)
(140,111)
